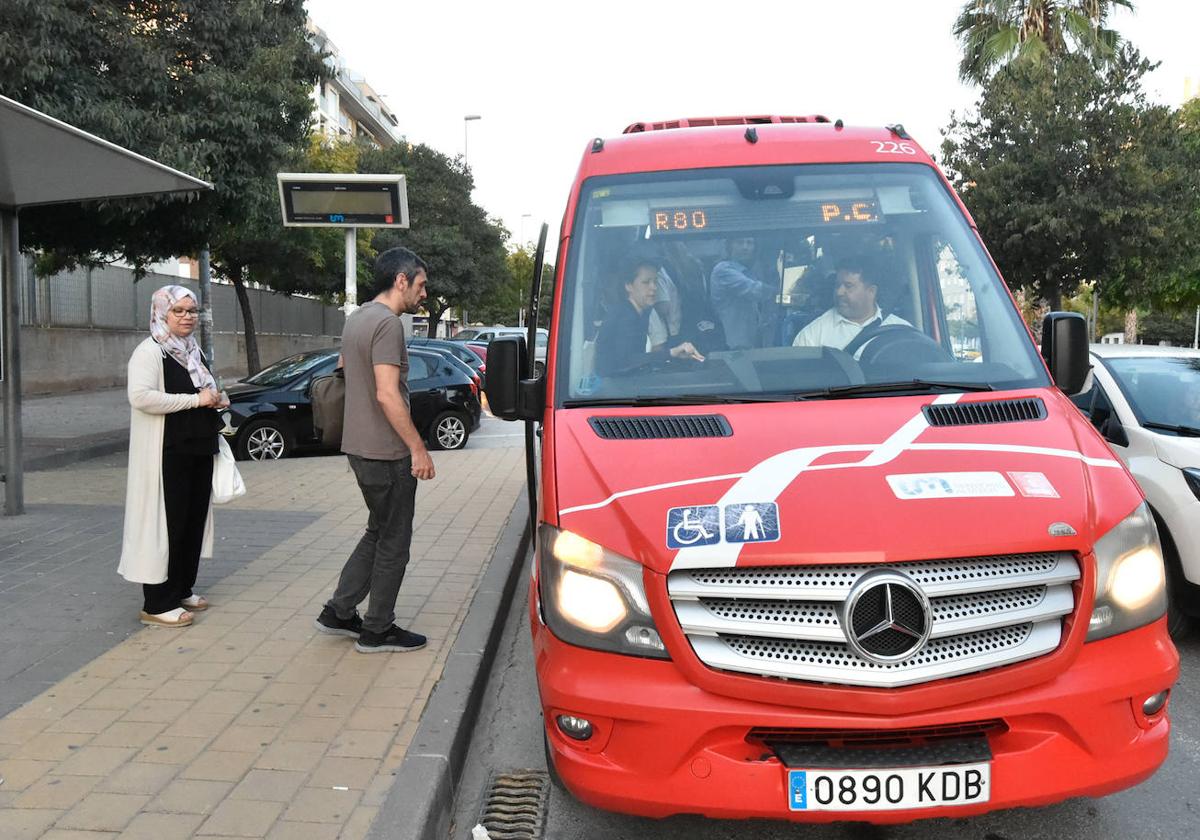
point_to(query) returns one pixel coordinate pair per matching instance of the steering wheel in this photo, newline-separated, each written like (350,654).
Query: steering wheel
(896,340)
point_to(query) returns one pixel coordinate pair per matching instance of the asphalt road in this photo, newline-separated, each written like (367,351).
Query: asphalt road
(508,737)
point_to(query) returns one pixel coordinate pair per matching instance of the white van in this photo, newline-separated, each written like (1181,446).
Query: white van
(1145,401)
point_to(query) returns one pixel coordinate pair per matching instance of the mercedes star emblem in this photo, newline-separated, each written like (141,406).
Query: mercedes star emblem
(887,617)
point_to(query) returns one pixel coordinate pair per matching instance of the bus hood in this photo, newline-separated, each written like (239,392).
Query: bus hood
(839,481)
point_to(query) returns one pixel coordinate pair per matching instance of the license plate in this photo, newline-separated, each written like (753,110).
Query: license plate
(892,789)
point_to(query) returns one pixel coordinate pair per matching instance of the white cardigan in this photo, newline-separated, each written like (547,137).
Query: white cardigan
(145,548)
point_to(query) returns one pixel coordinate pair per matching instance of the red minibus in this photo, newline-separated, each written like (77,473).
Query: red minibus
(819,534)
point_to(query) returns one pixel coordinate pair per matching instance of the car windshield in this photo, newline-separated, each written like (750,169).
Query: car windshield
(465,335)
(1162,390)
(789,281)
(285,371)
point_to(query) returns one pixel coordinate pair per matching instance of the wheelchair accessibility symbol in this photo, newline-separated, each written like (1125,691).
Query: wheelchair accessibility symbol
(693,526)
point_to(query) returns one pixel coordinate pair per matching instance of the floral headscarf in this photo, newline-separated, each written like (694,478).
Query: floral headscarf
(186,351)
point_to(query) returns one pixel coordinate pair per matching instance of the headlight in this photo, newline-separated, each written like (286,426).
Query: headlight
(595,598)
(1130,580)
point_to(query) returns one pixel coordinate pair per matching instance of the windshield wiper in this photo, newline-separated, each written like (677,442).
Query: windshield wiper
(681,399)
(916,386)
(1182,431)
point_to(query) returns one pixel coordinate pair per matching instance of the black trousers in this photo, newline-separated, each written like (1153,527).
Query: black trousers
(187,489)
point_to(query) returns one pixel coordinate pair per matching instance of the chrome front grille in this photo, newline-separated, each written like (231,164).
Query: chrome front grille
(787,621)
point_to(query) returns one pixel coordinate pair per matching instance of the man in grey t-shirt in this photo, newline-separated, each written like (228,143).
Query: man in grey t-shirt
(386,453)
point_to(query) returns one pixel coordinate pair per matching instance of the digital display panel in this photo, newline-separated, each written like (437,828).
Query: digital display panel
(306,202)
(332,200)
(763,215)
(680,219)
(849,211)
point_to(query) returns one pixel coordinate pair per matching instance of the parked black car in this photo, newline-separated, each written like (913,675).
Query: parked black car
(271,412)
(458,351)
(443,398)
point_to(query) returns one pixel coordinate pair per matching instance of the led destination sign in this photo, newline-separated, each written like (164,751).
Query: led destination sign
(680,219)
(853,211)
(764,215)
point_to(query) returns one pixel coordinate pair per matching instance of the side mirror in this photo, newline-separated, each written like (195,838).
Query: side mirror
(1113,432)
(509,396)
(1065,349)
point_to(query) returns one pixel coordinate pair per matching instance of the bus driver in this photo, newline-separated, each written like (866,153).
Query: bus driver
(856,308)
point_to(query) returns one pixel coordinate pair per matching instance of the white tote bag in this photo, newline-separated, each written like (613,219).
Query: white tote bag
(227,482)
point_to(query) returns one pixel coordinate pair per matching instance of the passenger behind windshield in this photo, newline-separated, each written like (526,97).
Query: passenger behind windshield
(737,294)
(684,277)
(856,309)
(623,343)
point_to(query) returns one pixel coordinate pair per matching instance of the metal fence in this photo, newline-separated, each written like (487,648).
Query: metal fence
(109,298)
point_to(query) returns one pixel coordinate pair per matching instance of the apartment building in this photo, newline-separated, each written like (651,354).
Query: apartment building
(345,105)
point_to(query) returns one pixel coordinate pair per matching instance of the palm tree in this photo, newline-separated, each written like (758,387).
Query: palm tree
(995,32)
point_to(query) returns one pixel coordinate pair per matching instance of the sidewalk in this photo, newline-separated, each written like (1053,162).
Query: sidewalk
(67,428)
(249,723)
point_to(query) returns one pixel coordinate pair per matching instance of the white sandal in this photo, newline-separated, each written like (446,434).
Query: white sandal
(195,603)
(177,617)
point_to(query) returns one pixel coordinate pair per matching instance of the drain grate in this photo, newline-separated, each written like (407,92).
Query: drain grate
(514,805)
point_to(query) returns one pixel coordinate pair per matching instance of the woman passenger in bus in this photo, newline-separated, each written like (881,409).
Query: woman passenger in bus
(622,345)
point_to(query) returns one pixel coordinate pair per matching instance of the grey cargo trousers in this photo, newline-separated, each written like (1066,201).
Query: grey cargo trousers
(376,566)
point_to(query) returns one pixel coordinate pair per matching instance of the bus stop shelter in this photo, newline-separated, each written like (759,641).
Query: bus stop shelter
(47,161)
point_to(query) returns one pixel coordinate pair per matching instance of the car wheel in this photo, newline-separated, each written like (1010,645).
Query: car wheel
(555,779)
(449,431)
(1179,622)
(263,440)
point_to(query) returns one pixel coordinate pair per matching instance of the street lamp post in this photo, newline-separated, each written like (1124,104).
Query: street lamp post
(467,120)
(524,216)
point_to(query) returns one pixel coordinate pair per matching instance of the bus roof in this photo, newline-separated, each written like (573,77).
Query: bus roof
(698,144)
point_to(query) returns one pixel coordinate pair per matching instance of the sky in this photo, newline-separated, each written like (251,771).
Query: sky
(546,77)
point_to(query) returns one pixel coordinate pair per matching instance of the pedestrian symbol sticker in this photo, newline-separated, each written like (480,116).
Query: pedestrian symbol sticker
(693,526)
(751,522)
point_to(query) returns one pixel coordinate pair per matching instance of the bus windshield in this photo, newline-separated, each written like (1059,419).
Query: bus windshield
(781,282)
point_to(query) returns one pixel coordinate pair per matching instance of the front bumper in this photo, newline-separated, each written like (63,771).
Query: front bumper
(664,746)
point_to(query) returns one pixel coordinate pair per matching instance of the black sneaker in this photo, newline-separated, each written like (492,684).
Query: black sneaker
(392,639)
(328,622)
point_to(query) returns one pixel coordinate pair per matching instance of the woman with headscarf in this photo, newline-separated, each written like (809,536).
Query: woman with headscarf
(173,431)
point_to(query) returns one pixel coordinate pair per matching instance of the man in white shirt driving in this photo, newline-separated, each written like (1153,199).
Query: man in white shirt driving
(857,289)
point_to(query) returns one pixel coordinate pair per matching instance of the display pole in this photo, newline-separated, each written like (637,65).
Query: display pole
(206,309)
(351,270)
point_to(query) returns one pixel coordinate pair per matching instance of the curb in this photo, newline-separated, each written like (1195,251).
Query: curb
(66,457)
(419,804)
(55,457)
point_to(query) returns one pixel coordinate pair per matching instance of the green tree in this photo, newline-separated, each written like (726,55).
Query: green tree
(309,260)
(1071,176)
(511,296)
(507,297)
(1181,286)
(217,88)
(1175,328)
(464,248)
(995,32)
